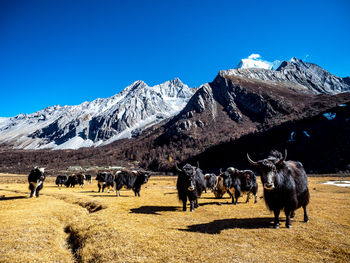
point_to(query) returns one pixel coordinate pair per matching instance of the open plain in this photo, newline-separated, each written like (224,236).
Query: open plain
(82,225)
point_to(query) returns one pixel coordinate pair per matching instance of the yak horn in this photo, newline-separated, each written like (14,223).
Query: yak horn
(197,164)
(251,161)
(177,168)
(284,157)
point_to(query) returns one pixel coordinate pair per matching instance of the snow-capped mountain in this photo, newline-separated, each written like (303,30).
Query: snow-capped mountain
(255,61)
(98,122)
(307,77)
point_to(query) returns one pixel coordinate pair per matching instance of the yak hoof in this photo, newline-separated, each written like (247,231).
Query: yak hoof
(276,226)
(306,220)
(288,226)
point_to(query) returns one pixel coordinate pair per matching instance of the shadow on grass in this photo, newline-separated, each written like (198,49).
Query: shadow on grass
(153,210)
(4,198)
(213,203)
(171,193)
(106,195)
(216,226)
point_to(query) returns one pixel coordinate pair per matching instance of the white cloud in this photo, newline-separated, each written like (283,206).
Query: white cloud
(254,56)
(256,61)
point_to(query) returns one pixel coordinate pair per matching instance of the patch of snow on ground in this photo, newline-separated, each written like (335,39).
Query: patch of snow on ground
(339,183)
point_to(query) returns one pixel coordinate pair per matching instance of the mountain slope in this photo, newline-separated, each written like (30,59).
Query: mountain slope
(305,76)
(99,122)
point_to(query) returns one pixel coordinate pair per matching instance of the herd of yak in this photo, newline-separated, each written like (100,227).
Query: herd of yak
(285,184)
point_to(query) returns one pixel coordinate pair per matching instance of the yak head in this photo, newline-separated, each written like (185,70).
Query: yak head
(188,173)
(101,177)
(39,172)
(142,175)
(269,168)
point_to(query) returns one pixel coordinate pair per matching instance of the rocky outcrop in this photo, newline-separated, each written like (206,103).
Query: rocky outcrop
(307,77)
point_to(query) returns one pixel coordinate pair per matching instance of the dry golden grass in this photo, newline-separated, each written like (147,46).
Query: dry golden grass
(82,225)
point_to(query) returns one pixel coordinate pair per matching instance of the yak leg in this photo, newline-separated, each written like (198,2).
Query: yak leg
(231,195)
(192,205)
(248,197)
(276,222)
(292,214)
(306,218)
(288,215)
(103,187)
(99,187)
(38,188)
(196,203)
(32,189)
(184,201)
(237,194)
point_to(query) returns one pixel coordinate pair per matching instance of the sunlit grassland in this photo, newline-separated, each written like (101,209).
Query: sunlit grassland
(82,225)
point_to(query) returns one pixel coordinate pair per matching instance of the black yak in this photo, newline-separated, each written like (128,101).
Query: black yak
(36,180)
(105,179)
(241,182)
(61,180)
(74,179)
(190,184)
(285,185)
(210,181)
(131,180)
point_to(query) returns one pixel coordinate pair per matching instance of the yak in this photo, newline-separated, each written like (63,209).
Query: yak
(36,180)
(220,189)
(131,180)
(105,179)
(75,179)
(190,185)
(210,181)
(61,180)
(241,182)
(285,185)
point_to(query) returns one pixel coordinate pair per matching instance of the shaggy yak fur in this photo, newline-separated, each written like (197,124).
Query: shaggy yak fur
(75,179)
(105,179)
(285,185)
(36,180)
(210,181)
(190,185)
(241,182)
(131,180)
(61,180)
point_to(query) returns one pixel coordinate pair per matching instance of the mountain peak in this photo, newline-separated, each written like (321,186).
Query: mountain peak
(256,61)
(99,122)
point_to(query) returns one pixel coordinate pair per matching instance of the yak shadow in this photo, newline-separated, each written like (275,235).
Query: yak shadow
(214,203)
(216,226)
(153,210)
(4,198)
(104,195)
(172,193)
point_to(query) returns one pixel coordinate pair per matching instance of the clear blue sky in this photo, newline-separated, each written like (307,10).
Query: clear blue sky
(67,51)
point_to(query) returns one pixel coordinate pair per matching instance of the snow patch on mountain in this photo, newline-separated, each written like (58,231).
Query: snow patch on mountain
(255,61)
(98,122)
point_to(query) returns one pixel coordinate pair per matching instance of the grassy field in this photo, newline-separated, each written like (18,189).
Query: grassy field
(82,225)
